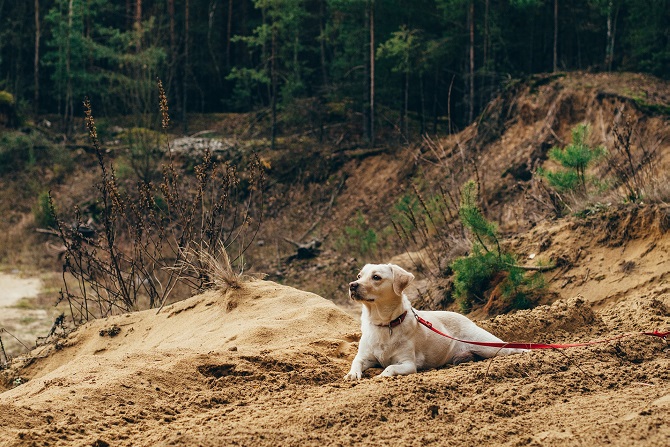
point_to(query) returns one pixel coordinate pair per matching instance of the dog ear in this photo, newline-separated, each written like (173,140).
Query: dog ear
(401,278)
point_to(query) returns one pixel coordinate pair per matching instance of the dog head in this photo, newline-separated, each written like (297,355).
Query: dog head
(379,283)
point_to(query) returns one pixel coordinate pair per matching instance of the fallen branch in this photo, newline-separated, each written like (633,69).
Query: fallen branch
(539,268)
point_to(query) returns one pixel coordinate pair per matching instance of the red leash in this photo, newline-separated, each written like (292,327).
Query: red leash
(429,325)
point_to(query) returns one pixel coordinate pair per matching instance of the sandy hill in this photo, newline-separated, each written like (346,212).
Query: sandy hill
(262,365)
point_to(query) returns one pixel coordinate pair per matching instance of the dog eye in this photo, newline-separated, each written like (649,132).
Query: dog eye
(376,277)
(359,276)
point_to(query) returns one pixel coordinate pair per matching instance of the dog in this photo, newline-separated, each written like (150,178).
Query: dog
(393,337)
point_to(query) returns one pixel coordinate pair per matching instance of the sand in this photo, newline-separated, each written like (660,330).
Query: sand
(263,365)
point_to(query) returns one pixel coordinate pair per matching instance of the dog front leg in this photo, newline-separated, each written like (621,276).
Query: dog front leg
(399,369)
(360,364)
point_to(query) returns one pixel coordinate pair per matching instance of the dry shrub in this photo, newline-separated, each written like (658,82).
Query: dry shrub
(139,243)
(633,161)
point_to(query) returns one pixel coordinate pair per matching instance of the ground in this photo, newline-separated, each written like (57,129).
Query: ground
(263,365)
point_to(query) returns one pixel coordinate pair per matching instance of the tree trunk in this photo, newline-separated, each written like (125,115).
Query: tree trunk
(471,26)
(69,106)
(172,83)
(138,25)
(616,18)
(36,63)
(229,32)
(129,15)
(435,103)
(405,104)
(422,96)
(186,67)
(612,17)
(264,56)
(366,81)
(372,73)
(486,73)
(322,30)
(273,77)
(172,28)
(555,67)
(210,47)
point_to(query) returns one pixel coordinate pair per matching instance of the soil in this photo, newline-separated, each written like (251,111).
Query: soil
(262,365)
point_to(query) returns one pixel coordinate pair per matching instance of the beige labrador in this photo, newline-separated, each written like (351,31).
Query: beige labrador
(393,338)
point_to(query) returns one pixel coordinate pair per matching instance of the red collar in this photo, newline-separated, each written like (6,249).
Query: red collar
(394,323)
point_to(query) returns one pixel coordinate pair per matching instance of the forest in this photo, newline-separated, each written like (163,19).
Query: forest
(436,63)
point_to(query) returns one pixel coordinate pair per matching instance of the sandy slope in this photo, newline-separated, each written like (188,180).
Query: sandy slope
(263,365)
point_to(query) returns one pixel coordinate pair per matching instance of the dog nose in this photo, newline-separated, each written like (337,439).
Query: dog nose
(353,286)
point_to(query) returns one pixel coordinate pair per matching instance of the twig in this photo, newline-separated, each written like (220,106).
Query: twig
(2,348)
(532,268)
(14,337)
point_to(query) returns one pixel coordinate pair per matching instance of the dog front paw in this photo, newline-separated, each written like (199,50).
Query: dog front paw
(353,375)
(386,373)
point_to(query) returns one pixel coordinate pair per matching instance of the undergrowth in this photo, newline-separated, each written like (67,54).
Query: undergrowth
(139,242)
(627,172)
(488,273)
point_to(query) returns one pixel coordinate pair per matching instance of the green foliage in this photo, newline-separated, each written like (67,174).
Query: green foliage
(277,42)
(85,56)
(94,48)
(473,274)
(403,48)
(44,218)
(358,239)
(6,98)
(247,81)
(19,151)
(23,152)
(472,218)
(561,180)
(646,39)
(487,266)
(576,159)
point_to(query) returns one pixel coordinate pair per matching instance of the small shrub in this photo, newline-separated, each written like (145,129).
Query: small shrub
(22,151)
(473,274)
(488,274)
(575,158)
(6,98)
(633,162)
(44,218)
(8,109)
(17,151)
